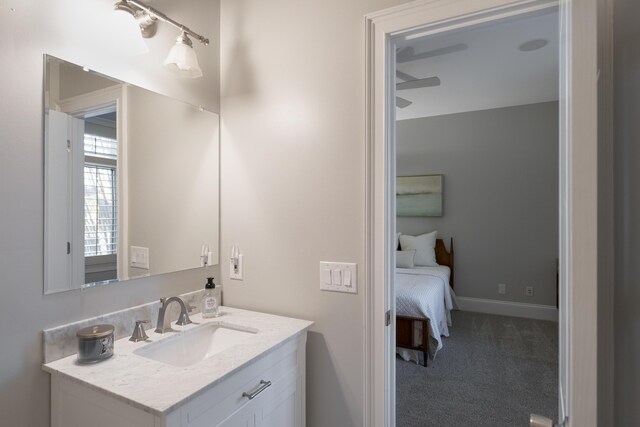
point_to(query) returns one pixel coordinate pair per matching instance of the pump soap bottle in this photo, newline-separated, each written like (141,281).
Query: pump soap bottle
(210,300)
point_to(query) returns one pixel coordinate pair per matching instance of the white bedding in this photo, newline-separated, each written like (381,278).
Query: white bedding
(425,292)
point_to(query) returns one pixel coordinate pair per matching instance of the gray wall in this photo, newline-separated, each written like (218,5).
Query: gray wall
(61,28)
(627,204)
(500,171)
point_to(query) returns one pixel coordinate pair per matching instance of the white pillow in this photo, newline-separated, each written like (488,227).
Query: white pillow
(423,245)
(404,259)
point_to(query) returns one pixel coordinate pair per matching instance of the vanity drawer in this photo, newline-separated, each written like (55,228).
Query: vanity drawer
(226,399)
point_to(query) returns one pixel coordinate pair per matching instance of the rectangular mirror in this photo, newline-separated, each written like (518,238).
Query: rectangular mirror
(131,181)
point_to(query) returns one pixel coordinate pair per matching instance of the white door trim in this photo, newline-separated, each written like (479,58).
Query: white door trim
(579,211)
(578,180)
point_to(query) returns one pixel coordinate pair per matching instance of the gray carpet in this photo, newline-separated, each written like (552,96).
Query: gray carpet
(492,371)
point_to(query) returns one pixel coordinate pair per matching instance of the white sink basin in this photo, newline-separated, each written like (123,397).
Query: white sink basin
(197,344)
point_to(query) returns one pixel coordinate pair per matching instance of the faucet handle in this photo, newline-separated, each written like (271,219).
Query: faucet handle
(139,334)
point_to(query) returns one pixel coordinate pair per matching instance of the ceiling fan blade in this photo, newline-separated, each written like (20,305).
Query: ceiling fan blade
(419,83)
(405,55)
(408,54)
(402,103)
(404,76)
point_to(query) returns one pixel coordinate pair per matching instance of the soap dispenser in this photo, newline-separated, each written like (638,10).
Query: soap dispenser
(210,300)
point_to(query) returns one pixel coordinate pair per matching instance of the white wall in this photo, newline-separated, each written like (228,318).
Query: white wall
(627,200)
(500,197)
(293,155)
(79,31)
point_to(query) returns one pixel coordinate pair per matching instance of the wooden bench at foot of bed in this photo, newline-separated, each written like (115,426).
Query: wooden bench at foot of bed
(405,336)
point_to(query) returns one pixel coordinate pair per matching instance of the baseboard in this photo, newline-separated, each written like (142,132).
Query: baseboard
(508,308)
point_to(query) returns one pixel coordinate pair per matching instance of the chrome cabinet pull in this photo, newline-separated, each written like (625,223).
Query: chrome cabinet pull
(262,387)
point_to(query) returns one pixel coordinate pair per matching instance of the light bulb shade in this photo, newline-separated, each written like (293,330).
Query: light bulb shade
(182,59)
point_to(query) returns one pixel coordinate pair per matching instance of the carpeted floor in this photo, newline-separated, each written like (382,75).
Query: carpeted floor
(492,371)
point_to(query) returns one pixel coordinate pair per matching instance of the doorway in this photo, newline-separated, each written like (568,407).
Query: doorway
(577,199)
(477,173)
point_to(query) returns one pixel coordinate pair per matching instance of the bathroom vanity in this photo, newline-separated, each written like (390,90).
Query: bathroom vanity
(241,369)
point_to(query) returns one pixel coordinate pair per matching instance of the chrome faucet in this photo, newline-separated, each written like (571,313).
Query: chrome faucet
(164,324)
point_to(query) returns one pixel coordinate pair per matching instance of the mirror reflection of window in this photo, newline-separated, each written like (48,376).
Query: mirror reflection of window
(100,197)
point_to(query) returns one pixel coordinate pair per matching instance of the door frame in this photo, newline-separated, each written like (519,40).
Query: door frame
(578,179)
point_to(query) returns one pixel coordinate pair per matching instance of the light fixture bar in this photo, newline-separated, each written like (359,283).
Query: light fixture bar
(161,16)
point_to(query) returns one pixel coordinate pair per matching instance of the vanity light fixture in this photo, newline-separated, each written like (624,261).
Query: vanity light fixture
(182,57)
(146,22)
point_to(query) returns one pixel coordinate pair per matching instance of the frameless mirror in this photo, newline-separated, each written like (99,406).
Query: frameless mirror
(131,180)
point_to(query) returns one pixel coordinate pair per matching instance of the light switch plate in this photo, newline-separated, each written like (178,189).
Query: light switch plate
(339,277)
(139,257)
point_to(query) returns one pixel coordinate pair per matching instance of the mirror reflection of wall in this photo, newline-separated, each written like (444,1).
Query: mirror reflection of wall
(131,180)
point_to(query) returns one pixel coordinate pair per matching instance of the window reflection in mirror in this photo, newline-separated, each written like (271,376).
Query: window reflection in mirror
(100,197)
(131,180)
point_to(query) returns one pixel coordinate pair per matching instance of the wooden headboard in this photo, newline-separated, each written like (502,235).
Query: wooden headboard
(444,257)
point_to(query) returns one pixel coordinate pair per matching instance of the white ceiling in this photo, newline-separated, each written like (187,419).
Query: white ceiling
(491,73)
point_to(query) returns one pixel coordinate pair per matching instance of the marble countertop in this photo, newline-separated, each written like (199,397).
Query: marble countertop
(158,388)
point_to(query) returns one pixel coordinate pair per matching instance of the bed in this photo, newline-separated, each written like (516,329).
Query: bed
(423,303)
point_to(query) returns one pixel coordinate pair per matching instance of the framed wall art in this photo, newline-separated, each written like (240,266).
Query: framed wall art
(419,195)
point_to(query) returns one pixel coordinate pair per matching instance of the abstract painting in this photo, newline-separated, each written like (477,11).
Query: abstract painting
(419,195)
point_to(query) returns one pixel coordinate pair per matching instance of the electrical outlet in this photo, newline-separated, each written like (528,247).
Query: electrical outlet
(235,269)
(502,288)
(528,291)
(235,263)
(139,257)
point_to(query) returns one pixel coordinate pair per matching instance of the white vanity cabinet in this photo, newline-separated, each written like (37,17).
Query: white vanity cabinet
(277,380)
(268,390)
